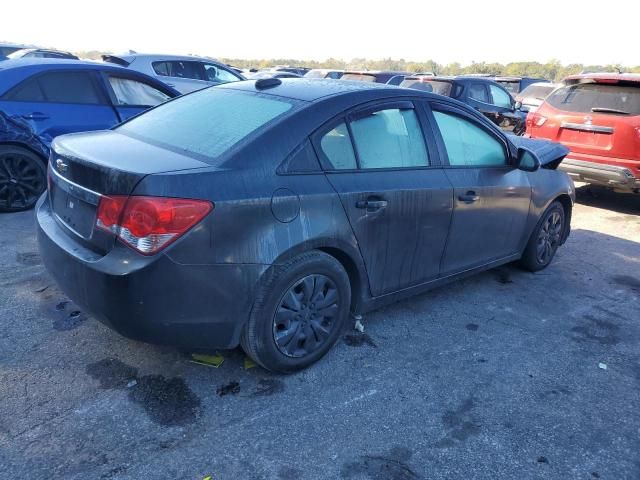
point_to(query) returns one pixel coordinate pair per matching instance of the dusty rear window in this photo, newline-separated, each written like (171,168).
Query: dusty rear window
(206,123)
(597,98)
(441,88)
(360,77)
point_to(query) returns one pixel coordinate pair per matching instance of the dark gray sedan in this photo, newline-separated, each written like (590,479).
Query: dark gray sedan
(264,213)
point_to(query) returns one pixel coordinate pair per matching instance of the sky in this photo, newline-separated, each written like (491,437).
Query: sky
(446,31)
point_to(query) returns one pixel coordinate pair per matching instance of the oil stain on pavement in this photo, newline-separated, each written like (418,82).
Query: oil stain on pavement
(267,387)
(358,340)
(596,330)
(627,281)
(382,467)
(167,401)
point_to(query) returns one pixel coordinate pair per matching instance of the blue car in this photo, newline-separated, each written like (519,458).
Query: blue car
(43,98)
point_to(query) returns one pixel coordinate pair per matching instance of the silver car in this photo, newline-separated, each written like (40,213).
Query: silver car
(184,73)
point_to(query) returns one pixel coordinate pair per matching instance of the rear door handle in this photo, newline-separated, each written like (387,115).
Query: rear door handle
(371,204)
(35,116)
(469,197)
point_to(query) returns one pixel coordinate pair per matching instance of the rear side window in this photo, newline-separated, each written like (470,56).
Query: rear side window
(478,92)
(179,69)
(206,123)
(336,146)
(134,93)
(389,139)
(597,98)
(57,87)
(216,74)
(467,144)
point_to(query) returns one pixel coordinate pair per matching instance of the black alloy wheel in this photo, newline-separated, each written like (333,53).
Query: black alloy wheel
(22,179)
(549,237)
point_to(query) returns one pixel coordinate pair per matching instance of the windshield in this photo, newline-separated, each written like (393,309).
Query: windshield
(615,99)
(441,88)
(361,77)
(512,86)
(206,123)
(538,92)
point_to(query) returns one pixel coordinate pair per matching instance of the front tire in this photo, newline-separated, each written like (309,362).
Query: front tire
(23,178)
(299,313)
(545,239)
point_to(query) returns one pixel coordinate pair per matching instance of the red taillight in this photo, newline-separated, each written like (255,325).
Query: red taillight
(535,120)
(149,224)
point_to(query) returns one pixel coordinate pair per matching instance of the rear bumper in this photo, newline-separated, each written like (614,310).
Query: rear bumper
(615,176)
(151,299)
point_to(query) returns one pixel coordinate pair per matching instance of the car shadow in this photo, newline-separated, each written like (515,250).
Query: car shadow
(602,197)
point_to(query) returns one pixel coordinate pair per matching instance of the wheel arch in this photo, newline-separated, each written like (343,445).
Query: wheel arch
(26,146)
(348,256)
(567,205)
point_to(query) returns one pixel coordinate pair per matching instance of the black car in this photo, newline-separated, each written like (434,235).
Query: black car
(372,76)
(483,94)
(303,202)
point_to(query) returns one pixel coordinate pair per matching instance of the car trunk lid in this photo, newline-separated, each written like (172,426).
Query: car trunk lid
(85,167)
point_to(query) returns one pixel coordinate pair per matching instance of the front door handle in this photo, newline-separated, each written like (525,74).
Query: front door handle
(36,116)
(371,204)
(469,197)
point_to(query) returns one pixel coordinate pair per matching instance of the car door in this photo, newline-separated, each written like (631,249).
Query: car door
(59,102)
(491,197)
(131,96)
(479,96)
(393,190)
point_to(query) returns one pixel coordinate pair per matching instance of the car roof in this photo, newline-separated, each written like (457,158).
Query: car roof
(160,56)
(315,89)
(14,71)
(629,77)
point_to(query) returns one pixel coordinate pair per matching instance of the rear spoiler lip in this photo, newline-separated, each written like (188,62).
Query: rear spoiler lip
(115,59)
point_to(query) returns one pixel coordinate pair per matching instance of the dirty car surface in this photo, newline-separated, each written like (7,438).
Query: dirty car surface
(306,201)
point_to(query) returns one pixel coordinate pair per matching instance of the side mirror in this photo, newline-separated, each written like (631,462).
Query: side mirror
(517,105)
(527,160)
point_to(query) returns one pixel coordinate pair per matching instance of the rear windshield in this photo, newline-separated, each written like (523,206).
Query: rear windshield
(597,98)
(206,123)
(441,88)
(361,77)
(315,74)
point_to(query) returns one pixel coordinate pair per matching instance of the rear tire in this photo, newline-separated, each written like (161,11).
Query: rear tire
(545,239)
(299,313)
(23,178)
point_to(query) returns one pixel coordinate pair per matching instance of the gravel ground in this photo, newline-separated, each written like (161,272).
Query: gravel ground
(505,375)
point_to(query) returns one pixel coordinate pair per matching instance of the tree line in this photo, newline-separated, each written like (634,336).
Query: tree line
(552,70)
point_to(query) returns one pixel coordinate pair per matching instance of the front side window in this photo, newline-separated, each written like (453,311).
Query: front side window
(206,123)
(389,138)
(216,74)
(467,144)
(179,69)
(500,97)
(337,148)
(478,92)
(130,92)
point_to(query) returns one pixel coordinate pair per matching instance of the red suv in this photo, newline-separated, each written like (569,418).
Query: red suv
(597,116)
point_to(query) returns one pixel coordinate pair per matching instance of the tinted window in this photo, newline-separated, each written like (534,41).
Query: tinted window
(208,122)
(334,75)
(512,87)
(389,138)
(132,92)
(216,74)
(441,88)
(336,146)
(57,87)
(467,144)
(500,97)
(27,91)
(477,91)
(69,87)
(539,92)
(597,98)
(179,69)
